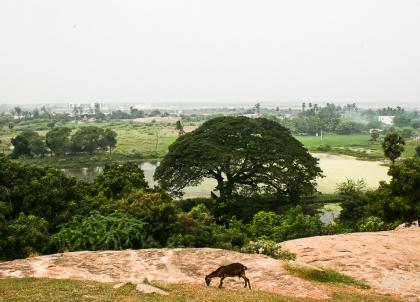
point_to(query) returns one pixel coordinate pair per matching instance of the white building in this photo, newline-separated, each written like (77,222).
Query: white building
(386,119)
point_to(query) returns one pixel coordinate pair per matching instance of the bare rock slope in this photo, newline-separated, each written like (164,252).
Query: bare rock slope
(162,266)
(388,261)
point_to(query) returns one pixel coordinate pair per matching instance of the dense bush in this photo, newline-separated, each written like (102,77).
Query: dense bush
(280,227)
(44,211)
(262,246)
(117,180)
(391,204)
(100,232)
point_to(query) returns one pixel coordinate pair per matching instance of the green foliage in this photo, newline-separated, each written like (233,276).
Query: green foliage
(155,209)
(100,232)
(262,246)
(324,148)
(407,133)
(393,146)
(389,205)
(57,139)
(87,139)
(374,135)
(351,188)
(240,154)
(418,151)
(198,228)
(374,224)
(290,225)
(109,139)
(21,147)
(43,192)
(26,235)
(117,181)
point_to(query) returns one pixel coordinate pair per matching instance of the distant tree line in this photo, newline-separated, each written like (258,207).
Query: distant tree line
(61,140)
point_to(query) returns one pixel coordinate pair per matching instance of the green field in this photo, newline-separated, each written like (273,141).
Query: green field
(138,141)
(359,146)
(50,290)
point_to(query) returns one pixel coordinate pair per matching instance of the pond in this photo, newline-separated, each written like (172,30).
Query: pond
(336,169)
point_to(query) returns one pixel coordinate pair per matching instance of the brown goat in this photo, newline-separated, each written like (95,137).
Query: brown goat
(231,270)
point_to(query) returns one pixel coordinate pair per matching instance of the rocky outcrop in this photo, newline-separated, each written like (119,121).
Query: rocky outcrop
(162,266)
(388,261)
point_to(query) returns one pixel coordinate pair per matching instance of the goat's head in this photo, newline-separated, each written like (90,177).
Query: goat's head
(208,279)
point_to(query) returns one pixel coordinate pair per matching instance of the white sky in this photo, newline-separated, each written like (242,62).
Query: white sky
(205,52)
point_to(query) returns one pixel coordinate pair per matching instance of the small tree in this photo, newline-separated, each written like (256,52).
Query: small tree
(393,146)
(374,135)
(109,139)
(21,147)
(180,128)
(117,181)
(87,139)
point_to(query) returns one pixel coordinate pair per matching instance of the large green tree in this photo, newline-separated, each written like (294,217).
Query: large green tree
(241,154)
(35,142)
(87,139)
(117,181)
(20,147)
(393,146)
(57,140)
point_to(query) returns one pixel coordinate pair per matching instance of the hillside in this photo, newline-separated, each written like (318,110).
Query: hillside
(388,261)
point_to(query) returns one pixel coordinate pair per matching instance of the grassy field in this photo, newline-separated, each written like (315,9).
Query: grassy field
(40,290)
(359,146)
(137,141)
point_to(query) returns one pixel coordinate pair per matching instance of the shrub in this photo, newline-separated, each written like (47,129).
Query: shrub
(27,235)
(292,224)
(324,148)
(374,224)
(351,188)
(262,246)
(99,232)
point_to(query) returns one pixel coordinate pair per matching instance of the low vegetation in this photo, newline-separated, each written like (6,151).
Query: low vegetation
(43,290)
(324,276)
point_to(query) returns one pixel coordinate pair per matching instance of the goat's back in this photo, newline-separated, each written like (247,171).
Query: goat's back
(232,269)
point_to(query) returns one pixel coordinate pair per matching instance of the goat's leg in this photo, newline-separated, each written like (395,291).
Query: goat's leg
(221,282)
(249,284)
(242,275)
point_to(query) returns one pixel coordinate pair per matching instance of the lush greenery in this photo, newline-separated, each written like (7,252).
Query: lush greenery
(46,290)
(44,211)
(391,204)
(241,154)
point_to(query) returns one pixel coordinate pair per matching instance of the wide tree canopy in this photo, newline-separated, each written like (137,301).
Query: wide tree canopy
(241,154)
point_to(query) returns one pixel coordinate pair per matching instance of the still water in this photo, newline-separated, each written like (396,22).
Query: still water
(336,168)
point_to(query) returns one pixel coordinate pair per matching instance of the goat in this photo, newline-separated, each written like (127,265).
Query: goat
(231,270)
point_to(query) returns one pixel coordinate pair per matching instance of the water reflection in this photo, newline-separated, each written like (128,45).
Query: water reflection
(336,169)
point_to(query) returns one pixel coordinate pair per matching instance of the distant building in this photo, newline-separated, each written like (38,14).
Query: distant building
(386,119)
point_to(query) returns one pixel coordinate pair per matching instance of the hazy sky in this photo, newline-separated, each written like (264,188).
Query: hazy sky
(212,51)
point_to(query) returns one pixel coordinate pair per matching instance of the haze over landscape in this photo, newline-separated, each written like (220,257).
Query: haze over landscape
(151,149)
(210,52)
